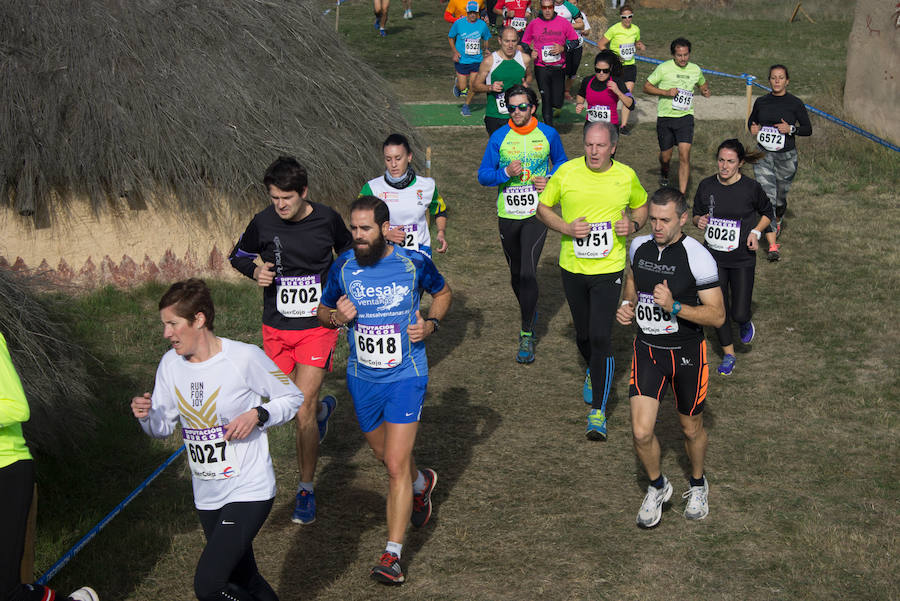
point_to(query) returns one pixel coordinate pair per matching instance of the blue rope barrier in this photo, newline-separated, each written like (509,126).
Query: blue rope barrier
(750,81)
(339,2)
(68,555)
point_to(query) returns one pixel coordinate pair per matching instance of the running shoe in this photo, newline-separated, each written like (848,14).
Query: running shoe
(596,428)
(651,508)
(305,509)
(407,14)
(557,111)
(465,111)
(774,252)
(727,365)
(663,181)
(697,497)
(625,131)
(330,403)
(464,92)
(382,33)
(587,390)
(388,569)
(85,593)
(526,349)
(377,23)
(456,91)
(421,512)
(747,332)
(779,227)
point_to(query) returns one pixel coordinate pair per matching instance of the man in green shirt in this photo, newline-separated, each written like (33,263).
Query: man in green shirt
(674,81)
(499,71)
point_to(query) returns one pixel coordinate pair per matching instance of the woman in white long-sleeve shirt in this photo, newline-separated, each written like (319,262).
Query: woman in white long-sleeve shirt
(214,387)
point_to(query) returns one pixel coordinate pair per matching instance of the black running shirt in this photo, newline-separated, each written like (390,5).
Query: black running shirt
(297,248)
(687,268)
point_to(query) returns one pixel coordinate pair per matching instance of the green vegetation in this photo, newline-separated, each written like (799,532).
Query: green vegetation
(803,437)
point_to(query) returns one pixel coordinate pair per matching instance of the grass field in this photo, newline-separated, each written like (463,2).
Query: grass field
(803,437)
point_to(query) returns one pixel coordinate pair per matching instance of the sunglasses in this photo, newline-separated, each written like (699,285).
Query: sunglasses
(601,70)
(520,107)
(627,17)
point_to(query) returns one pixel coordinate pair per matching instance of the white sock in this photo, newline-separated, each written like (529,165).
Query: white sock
(419,483)
(307,486)
(394,548)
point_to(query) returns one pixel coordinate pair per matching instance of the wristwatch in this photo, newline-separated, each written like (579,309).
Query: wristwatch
(676,307)
(436,322)
(262,416)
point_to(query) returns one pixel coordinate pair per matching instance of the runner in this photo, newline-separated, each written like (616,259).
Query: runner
(776,119)
(499,71)
(546,38)
(733,211)
(381,15)
(457,8)
(296,239)
(468,42)
(673,292)
(593,193)
(518,160)
(600,93)
(214,387)
(570,12)
(673,81)
(410,198)
(17,484)
(375,290)
(625,39)
(515,14)
(407,9)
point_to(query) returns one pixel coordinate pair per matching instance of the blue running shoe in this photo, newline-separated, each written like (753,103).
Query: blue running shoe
(596,428)
(465,111)
(587,391)
(305,510)
(377,23)
(747,332)
(330,403)
(382,33)
(526,349)
(456,91)
(727,365)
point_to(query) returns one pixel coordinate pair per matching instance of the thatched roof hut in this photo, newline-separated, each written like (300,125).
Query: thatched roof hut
(172,105)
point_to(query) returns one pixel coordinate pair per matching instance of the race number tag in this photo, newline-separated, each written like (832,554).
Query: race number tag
(770,138)
(298,296)
(652,319)
(599,112)
(518,23)
(723,234)
(210,457)
(501,103)
(410,236)
(379,346)
(547,55)
(626,51)
(473,46)
(683,100)
(597,244)
(520,200)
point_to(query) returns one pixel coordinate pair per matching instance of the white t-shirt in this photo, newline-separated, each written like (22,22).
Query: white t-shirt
(212,393)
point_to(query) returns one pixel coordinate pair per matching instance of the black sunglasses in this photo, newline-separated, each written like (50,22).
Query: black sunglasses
(600,70)
(520,107)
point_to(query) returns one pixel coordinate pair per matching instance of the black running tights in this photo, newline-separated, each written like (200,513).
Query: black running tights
(737,290)
(523,241)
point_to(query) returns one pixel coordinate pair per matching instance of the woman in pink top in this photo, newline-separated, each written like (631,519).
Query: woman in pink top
(601,93)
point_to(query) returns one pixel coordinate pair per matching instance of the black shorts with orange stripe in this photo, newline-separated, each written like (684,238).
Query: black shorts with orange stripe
(685,369)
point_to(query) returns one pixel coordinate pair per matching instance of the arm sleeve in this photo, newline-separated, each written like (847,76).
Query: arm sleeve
(366,190)
(550,195)
(164,410)
(703,265)
(582,90)
(246,250)
(754,114)
(700,205)
(655,76)
(701,80)
(341,235)
(557,151)
(638,194)
(333,290)
(265,379)
(432,281)
(491,172)
(805,126)
(13,405)
(438,207)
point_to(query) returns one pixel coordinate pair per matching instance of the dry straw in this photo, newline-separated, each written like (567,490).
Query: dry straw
(175,103)
(50,366)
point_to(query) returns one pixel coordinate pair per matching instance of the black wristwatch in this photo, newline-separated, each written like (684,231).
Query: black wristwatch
(436,322)
(262,416)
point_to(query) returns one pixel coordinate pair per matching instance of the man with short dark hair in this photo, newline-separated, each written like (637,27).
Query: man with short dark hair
(499,71)
(674,81)
(518,160)
(468,42)
(374,290)
(673,292)
(594,192)
(296,239)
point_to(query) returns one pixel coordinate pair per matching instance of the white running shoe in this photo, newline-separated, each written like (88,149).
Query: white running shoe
(651,508)
(697,497)
(85,593)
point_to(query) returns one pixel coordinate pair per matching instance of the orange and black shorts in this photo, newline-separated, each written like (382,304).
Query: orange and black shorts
(684,369)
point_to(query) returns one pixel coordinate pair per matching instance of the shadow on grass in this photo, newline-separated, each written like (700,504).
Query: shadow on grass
(463,321)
